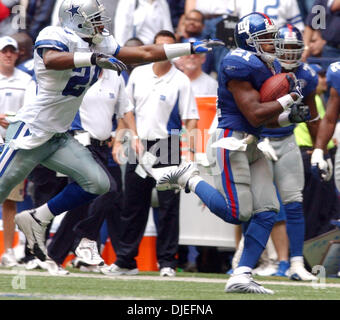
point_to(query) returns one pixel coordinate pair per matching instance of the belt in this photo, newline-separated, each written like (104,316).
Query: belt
(333,44)
(99,143)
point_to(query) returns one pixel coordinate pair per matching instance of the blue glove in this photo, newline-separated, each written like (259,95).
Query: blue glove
(299,113)
(294,87)
(108,62)
(204,46)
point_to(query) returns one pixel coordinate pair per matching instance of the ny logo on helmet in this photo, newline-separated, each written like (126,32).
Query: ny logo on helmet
(243,27)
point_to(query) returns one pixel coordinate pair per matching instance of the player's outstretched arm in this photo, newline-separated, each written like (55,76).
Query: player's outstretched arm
(314,122)
(328,123)
(57,60)
(159,52)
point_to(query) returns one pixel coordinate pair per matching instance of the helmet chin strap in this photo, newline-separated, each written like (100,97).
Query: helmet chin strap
(267,57)
(289,66)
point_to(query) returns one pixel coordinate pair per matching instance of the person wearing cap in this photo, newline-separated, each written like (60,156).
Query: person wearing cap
(13,84)
(320,200)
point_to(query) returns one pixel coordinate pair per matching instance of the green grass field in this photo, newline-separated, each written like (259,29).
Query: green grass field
(39,285)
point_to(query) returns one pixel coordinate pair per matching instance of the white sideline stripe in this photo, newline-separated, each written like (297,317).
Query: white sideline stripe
(159,278)
(64,296)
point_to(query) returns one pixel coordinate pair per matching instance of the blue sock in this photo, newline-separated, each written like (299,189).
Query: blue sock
(215,201)
(295,227)
(256,238)
(69,198)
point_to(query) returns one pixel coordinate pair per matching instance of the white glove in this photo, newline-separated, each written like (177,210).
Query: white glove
(267,149)
(321,167)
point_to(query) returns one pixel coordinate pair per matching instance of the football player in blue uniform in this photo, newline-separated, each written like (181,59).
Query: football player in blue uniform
(285,160)
(321,163)
(244,183)
(67,61)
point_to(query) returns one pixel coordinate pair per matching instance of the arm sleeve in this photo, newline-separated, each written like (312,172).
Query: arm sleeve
(167,24)
(123,23)
(333,76)
(124,104)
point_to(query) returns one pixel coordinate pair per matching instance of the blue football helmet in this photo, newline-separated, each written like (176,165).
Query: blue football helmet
(289,46)
(85,17)
(249,33)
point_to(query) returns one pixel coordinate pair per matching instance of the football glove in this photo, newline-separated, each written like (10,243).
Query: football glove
(321,168)
(204,46)
(267,149)
(108,62)
(299,113)
(294,87)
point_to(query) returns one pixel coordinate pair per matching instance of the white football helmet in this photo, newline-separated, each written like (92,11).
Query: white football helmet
(85,18)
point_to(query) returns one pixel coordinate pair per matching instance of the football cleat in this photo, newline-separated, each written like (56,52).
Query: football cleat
(55,269)
(114,270)
(167,272)
(34,231)
(178,177)
(298,272)
(244,283)
(87,252)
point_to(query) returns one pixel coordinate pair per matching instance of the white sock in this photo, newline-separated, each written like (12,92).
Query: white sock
(193,182)
(240,270)
(44,214)
(296,259)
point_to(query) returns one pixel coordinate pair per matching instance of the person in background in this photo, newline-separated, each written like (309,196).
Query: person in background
(163,98)
(13,84)
(141,19)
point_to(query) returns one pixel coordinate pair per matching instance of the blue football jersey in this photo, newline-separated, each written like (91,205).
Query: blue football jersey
(308,81)
(333,76)
(244,66)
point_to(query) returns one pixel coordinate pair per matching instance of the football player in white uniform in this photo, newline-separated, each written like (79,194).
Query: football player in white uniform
(67,62)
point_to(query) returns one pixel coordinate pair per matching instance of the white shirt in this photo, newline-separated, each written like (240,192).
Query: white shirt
(12,92)
(161,103)
(59,93)
(101,102)
(213,6)
(280,11)
(204,85)
(143,22)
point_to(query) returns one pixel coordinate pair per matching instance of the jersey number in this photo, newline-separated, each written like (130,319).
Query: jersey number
(77,84)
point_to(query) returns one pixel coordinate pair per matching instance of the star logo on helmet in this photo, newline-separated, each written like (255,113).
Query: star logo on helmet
(73,11)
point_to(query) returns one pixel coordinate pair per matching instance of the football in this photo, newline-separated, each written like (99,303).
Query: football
(274,87)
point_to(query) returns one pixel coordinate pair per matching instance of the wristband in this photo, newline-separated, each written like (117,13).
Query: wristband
(82,59)
(135,137)
(177,50)
(283,119)
(286,101)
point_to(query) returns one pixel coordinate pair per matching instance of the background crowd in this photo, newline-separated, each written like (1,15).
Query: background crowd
(136,22)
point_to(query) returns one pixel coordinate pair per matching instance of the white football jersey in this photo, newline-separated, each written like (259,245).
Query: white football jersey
(60,93)
(280,11)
